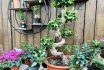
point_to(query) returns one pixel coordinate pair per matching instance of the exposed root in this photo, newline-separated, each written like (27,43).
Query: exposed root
(59,44)
(55,52)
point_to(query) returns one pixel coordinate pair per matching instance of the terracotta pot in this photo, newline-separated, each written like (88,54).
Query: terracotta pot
(17,3)
(15,68)
(53,67)
(27,62)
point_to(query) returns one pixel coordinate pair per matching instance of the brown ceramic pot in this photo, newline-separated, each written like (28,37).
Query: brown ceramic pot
(27,62)
(53,67)
(15,68)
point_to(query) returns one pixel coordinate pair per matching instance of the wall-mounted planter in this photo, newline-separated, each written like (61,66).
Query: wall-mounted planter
(17,3)
(23,25)
(37,20)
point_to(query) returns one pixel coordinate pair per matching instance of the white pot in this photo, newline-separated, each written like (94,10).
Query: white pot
(17,3)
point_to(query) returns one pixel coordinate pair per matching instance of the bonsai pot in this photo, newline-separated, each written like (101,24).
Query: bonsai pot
(15,68)
(54,67)
(17,3)
(26,61)
(37,20)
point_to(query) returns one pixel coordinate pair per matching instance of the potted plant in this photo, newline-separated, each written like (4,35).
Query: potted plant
(36,12)
(21,17)
(28,49)
(98,57)
(17,3)
(81,57)
(38,58)
(3,63)
(57,37)
(13,58)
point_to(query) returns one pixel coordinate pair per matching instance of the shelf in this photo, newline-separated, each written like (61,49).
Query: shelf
(21,29)
(38,24)
(31,3)
(80,0)
(22,9)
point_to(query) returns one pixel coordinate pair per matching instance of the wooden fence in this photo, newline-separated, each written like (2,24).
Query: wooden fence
(90,25)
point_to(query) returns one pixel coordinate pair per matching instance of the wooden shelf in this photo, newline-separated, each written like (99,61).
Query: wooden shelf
(38,24)
(31,3)
(80,0)
(22,9)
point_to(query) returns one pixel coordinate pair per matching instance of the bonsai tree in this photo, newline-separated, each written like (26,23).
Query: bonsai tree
(57,35)
(36,11)
(21,17)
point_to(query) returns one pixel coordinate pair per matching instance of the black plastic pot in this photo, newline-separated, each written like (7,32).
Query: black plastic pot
(37,20)
(6,69)
(93,67)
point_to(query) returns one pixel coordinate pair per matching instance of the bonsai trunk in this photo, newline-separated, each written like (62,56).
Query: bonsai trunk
(56,34)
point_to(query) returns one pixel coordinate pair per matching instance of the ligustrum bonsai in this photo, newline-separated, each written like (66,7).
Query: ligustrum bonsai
(57,35)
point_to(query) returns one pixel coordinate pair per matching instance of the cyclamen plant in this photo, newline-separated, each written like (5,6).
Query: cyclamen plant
(11,59)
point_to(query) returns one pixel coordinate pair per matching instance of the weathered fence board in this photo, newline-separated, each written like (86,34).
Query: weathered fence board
(90,25)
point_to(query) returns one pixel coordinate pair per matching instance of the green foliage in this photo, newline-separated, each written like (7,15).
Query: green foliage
(95,43)
(55,24)
(63,3)
(67,47)
(36,9)
(28,48)
(69,15)
(81,56)
(39,55)
(99,62)
(66,32)
(3,65)
(47,42)
(21,15)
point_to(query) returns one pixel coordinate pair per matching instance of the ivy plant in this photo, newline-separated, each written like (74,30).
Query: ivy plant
(47,42)
(63,3)
(66,32)
(21,15)
(55,24)
(36,9)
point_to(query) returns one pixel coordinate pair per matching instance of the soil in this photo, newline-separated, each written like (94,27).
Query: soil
(57,62)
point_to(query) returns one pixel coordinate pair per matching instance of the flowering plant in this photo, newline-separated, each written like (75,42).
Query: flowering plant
(11,58)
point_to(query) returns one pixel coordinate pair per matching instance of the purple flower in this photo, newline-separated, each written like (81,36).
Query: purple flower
(102,40)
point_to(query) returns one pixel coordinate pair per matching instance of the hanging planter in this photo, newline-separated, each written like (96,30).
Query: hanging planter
(36,12)
(21,16)
(23,25)
(17,3)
